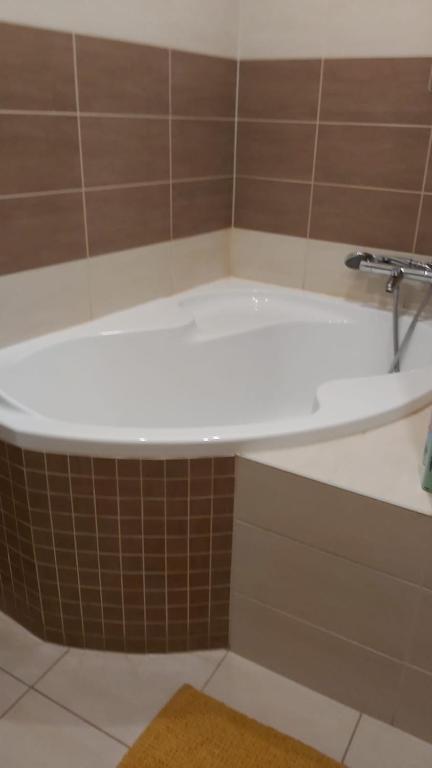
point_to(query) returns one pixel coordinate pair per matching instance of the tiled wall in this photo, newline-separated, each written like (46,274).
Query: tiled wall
(338,594)
(106,146)
(337,150)
(117,555)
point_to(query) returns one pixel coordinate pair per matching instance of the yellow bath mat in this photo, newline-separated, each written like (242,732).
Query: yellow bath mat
(195,731)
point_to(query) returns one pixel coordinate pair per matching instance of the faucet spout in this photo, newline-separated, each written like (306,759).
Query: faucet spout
(395,278)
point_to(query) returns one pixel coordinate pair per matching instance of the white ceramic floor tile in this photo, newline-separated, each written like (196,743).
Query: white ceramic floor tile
(122,693)
(40,734)
(22,654)
(10,691)
(378,745)
(274,700)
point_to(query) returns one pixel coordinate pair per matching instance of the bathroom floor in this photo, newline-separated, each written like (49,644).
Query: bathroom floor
(66,708)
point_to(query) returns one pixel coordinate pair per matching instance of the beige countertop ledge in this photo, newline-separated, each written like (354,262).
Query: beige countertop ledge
(383,463)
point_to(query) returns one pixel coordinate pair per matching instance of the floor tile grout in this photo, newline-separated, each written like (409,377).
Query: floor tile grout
(50,668)
(79,717)
(351,739)
(217,667)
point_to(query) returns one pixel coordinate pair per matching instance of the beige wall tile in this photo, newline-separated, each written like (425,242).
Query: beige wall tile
(199,259)
(124,278)
(349,673)
(355,602)
(387,538)
(414,713)
(310,28)
(421,647)
(204,26)
(38,301)
(267,257)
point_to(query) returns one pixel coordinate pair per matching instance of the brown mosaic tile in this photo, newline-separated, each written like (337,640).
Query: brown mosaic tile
(96,577)
(424,240)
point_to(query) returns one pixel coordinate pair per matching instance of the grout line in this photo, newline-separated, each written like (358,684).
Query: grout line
(108,187)
(15,677)
(188,549)
(80,717)
(216,669)
(116,115)
(342,123)
(35,560)
(315,151)
(333,184)
(120,552)
(423,190)
(321,629)
(329,553)
(351,739)
(54,547)
(166,551)
(51,666)
(234,188)
(170,140)
(98,549)
(143,554)
(210,552)
(24,693)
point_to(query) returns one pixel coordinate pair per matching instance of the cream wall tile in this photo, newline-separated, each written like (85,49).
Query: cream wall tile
(326,273)
(199,259)
(350,600)
(204,26)
(335,28)
(387,28)
(38,301)
(280,29)
(342,670)
(124,278)
(268,257)
(382,536)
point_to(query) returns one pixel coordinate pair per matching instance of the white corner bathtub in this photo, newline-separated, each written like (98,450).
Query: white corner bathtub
(212,371)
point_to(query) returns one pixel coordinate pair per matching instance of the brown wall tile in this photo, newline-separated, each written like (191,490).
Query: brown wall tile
(272,206)
(202,148)
(424,240)
(201,206)
(377,91)
(36,68)
(372,156)
(38,152)
(275,150)
(379,219)
(122,150)
(38,231)
(126,218)
(279,89)
(121,77)
(203,86)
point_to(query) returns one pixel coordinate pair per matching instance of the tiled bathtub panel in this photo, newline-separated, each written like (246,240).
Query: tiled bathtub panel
(121,555)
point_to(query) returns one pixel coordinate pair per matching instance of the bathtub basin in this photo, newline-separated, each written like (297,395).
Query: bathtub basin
(212,371)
